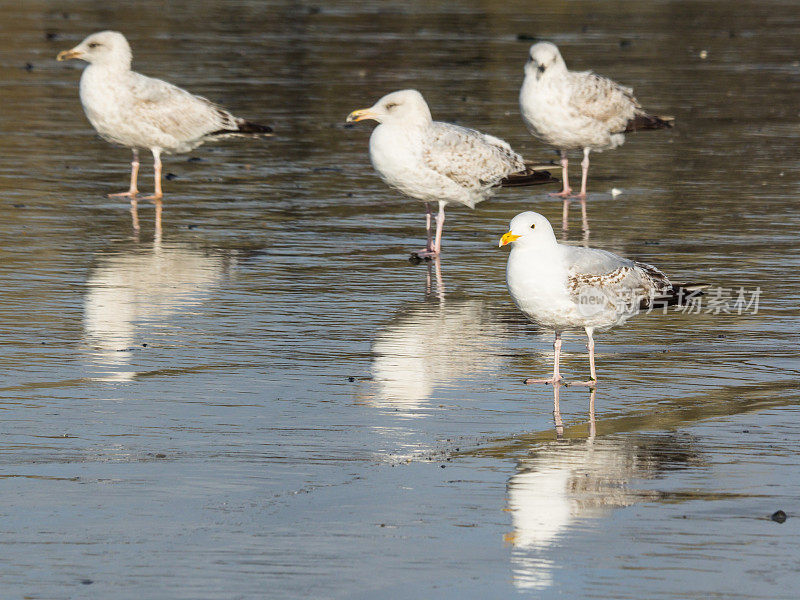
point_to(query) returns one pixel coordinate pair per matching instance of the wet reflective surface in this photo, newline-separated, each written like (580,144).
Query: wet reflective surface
(264,395)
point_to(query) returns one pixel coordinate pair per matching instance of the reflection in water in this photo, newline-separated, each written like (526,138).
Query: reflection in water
(136,291)
(159,207)
(565,216)
(567,481)
(430,344)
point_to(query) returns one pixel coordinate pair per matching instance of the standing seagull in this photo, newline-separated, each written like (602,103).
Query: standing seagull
(567,287)
(572,110)
(136,111)
(433,161)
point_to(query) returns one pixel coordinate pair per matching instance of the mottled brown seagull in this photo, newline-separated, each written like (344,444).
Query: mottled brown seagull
(137,111)
(439,162)
(578,110)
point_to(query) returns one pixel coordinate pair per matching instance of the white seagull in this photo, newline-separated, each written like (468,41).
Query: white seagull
(434,161)
(564,287)
(136,111)
(578,110)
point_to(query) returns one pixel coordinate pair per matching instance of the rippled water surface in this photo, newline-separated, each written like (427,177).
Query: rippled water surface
(267,399)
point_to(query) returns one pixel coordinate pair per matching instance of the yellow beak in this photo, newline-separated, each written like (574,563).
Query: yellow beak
(507,239)
(360,115)
(67,54)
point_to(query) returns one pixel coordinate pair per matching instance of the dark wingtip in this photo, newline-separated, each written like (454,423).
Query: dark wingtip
(525,178)
(645,121)
(255,128)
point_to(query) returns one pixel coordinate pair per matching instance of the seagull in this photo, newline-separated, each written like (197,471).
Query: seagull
(137,111)
(564,287)
(434,161)
(571,110)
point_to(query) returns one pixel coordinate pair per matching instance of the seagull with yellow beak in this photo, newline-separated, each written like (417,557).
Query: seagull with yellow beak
(564,287)
(136,111)
(439,162)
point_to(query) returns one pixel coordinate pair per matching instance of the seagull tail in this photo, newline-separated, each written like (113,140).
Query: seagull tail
(645,121)
(244,127)
(532,175)
(253,128)
(683,294)
(679,294)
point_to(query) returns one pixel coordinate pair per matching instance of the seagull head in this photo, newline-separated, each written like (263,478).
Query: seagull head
(529,229)
(103,48)
(544,58)
(405,106)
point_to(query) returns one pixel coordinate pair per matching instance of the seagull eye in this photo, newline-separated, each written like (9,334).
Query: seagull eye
(390,106)
(94,45)
(533,225)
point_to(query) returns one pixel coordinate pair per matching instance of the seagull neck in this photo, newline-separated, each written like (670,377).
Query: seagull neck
(115,67)
(542,251)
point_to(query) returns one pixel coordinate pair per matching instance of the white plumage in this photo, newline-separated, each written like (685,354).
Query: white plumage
(136,111)
(565,287)
(578,110)
(434,161)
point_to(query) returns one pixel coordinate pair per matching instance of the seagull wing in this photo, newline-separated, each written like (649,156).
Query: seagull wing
(470,158)
(621,282)
(601,99)
(175,111)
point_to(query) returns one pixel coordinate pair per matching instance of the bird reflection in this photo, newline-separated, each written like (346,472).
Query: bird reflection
(563,483)
(159,206)
(429,345)
(584,218)
(584,234)
(136,292)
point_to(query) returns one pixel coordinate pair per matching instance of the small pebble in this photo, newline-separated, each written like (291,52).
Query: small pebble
(28,67)
(87,581)
(778,516)
(160,455)
(351,379)
(171,176)
(625,44)
(704,54)
(525,37)
(615,192)
(194,159)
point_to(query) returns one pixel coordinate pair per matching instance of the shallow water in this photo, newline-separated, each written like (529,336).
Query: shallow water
(269,399)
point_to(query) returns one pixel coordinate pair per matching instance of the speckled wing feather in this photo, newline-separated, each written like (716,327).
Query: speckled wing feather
(470,158)
(176,112)
(602,99)
(598,273)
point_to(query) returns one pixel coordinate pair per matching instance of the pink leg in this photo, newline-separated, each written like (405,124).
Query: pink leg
(556,372)
(566,192)
(584,173)
(593,373)
(157,195)
(437,247)
(132,191)
(427,251)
